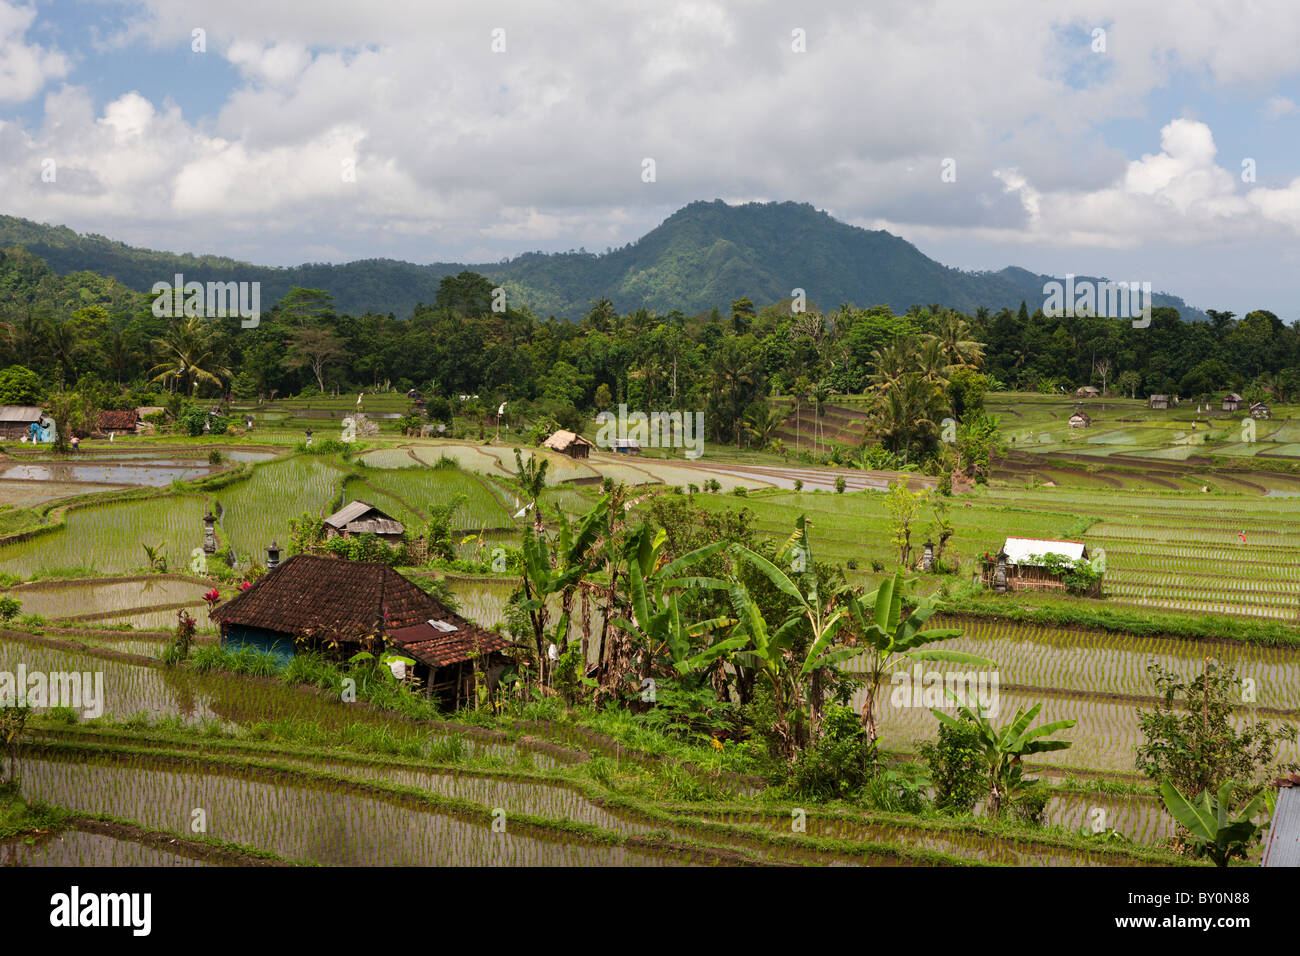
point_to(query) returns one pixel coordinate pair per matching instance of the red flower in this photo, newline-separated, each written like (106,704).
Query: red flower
(213,596)
(245,586)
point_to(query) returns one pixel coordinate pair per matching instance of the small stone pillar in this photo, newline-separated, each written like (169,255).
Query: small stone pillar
(272,557)
(1000,574)
(209,533)
(927,558)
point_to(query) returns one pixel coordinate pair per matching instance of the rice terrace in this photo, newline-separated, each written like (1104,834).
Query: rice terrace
(760,539)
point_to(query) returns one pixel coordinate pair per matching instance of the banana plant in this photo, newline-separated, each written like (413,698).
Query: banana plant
(656,615)
(1215,834)
(892,639)
(820,617)
(1003,750)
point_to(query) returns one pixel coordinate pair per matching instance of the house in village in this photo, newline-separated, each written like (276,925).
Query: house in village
(1088,391)
(1024,564)
(1231,402)
(360,518)
(118,422)
(1158,401)
(568,443)
(345,607)
(18,421)
(1080,420)
(626,446)
(1260,410)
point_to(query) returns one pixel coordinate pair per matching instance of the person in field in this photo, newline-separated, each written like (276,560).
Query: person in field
(1242,535)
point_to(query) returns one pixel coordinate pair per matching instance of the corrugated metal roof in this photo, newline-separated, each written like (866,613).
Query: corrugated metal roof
(20,413)
(1020,550)
(1283,845)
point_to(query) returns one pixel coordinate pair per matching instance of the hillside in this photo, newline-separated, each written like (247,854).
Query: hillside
(702,256)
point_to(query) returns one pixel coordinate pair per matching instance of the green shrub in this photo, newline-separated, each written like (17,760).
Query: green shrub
(840,765)
(957,769)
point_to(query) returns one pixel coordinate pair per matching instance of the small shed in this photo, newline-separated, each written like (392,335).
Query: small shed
(1231,402)
(119,422)
(1021,564)
(16,421)
(1158,401)
(568,443)
(626,446)
(361,518)
(1080,420)
(1260,410)
(1282,846)
(1088,391)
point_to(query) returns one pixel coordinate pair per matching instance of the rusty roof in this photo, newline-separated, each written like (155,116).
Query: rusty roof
(310,594)
(118,419)
(438,648)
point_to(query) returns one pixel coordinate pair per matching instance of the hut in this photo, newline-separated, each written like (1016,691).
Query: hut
(1022,564)
(1088,391)
(1260,410)
(1158,401)
(17,421)
(119,422)
(1080,420)
(361,518)
(1282,845)
(568,443)
(1231,402)
(344,607)
(626,446)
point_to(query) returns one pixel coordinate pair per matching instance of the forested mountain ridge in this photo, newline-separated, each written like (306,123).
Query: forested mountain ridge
(703,256)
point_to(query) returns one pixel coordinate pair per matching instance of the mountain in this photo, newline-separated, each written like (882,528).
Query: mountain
(703,255)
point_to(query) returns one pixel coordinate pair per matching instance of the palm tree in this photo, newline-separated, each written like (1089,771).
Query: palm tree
(932,362)
(959,345)
(187,356)
(821,394)
(761,423)
(890,363)
(532,478)
(909,413)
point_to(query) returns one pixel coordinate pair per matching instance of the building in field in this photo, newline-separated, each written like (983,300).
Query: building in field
(118,422)
(1080,420)
(1232,402)
(1032,564)
(1088,391)
(1158,401)
(360,518)
(17,421)
(1260,410)
(626,446)
(1282,844)
(341,607)
(568,443)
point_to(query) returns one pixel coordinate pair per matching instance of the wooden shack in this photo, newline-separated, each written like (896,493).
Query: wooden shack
(360,518)
(1080,420)
(568,443)
(1231,402)
(16,421)
(1260,410)
(1021,565)
(1158,401)
(1088,391)
(341,607)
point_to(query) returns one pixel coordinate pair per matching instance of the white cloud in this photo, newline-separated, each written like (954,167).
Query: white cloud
(25,67)
(1278,106)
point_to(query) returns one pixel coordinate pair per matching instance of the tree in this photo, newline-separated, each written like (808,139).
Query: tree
(892,638)
(1004,749)
(187,355)
(1190,739)
(72,412)
(1213,832)
(531,476)
(19,386)
(904,505)
(314,348)
(1129,381)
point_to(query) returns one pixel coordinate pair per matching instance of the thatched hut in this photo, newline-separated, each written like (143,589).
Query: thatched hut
(568,443)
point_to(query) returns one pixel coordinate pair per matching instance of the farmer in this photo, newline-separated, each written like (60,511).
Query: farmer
(76,443)
(1242,535)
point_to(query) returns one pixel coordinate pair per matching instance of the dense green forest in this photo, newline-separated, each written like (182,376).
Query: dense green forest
(703,256)
(92,335)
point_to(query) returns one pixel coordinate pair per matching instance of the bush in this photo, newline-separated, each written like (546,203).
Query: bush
(957,769)
(9,608)
(839,485)
(840,765)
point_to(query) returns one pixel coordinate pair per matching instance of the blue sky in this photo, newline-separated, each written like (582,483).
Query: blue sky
(329,130)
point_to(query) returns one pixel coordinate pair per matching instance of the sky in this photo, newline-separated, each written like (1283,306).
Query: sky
(1145,141)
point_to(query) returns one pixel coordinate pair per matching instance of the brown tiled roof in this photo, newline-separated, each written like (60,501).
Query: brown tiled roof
(117,420)
(438,649)
(1290,780)
(330,595)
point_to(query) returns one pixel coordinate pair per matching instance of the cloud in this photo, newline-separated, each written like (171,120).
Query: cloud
(1278,106)
(25,68)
